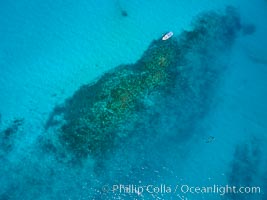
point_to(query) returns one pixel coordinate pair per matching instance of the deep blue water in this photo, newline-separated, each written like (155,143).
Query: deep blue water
(206,128)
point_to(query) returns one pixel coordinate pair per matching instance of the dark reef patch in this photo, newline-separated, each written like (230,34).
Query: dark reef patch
(7,135)
(170,86)
(245,163)
(244,170)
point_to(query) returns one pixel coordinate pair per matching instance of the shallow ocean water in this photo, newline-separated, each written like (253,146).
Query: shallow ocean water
(49,49)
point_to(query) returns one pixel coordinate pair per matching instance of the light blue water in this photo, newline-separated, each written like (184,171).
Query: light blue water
(48,49)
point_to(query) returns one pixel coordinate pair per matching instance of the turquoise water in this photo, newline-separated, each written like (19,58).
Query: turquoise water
(49,49)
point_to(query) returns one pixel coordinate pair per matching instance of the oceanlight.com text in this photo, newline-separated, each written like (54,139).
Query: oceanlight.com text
(216,189)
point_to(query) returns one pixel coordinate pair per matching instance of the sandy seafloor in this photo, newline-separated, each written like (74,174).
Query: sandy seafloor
(48,49)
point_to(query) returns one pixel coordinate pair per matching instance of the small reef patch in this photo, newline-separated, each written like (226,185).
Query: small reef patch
(8,135)
(245,168)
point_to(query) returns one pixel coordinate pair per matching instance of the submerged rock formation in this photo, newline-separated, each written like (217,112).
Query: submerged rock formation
(179,73)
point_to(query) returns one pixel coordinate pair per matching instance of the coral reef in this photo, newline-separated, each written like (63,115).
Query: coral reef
(102,108)
(178,73)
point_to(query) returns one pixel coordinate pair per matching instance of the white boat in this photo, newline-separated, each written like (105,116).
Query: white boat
(167,35)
